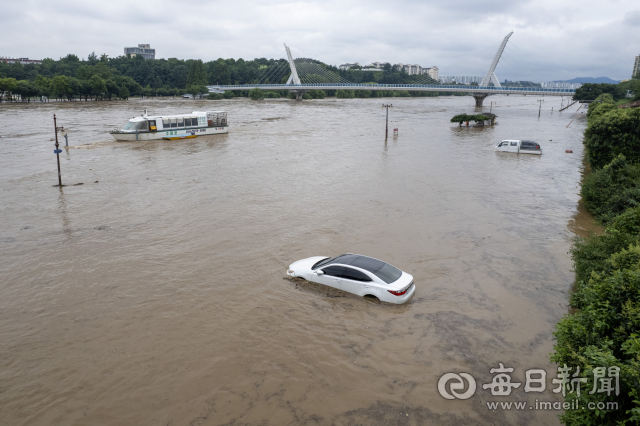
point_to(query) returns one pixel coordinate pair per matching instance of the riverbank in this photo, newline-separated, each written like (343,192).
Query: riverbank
(598,340)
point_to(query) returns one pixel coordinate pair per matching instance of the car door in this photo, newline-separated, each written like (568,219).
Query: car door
(354,281)
(503,146)
(332,276)
(513,146)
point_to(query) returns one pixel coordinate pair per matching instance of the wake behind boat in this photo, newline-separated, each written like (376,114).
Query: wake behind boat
(179,126)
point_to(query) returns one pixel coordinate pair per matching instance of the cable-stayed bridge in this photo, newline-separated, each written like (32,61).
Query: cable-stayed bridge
(303,74)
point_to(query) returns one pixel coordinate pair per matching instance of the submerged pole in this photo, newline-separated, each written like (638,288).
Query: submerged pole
(57,151)
(386,129)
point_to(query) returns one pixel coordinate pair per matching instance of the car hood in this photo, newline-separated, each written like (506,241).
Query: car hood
(306,264)
(402,282)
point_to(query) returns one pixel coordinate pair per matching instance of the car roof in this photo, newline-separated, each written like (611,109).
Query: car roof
(364,262)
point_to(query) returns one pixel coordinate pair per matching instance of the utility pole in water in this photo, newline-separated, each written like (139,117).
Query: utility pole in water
(57,151)
(386,129)
(540,109)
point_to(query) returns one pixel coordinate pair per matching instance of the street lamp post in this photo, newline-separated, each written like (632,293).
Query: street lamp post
(386,129)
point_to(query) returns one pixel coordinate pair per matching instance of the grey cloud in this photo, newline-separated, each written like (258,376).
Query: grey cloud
(561,38)
(632,18)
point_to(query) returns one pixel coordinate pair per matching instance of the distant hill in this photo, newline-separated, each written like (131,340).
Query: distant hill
(584,80)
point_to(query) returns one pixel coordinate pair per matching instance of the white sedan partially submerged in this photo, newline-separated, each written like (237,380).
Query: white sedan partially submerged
(360,275)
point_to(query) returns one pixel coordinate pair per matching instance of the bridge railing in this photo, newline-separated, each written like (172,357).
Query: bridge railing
(443,87)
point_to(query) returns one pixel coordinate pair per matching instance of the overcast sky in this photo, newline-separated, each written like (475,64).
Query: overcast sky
(553,39)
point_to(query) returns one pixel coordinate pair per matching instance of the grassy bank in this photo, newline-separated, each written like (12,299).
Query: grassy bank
(601,336)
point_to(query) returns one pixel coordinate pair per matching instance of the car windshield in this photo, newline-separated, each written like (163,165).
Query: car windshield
(382,270)
(323,262)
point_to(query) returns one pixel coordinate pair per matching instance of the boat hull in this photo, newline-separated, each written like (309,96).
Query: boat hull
(169,134)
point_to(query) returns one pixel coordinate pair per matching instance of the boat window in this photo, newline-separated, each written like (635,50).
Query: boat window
(136,125)
(180,121)
(334,271)
(166,123)
(187,122)
(352,274)
(174,122)
(194,121)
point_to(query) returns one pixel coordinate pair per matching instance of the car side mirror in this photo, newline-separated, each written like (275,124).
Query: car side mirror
(320,272)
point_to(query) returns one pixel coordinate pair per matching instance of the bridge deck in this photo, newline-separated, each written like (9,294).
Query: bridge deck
(409,87)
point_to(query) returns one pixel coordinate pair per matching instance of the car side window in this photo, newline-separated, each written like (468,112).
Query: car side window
(353,274)
(334,271)
(514,143)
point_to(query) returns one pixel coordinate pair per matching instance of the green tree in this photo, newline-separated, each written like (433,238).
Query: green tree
(7,86)
(197,74)
(60,86)
(124,92)
(197,90)
(256,94)
(461,118)
(98,86)
(112,88)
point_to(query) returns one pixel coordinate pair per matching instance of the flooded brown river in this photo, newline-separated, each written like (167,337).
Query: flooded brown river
(155,293)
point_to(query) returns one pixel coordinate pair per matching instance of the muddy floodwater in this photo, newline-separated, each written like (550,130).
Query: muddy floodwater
(155,293)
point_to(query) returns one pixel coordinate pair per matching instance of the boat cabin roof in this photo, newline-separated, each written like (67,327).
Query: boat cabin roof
(160,117)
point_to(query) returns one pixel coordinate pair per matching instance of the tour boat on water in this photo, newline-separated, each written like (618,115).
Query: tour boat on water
(171,127)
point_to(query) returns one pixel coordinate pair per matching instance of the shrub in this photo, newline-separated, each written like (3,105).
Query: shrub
(613,132)
(317,94)
(256,94)
(613,189)
(345,94)
(214,96)
(272,95)
(460,118)
(228,95)
(363,93)
(401,94)
(603,333)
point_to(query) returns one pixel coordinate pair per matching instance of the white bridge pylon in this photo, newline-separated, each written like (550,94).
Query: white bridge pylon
(491,74)
(293,78)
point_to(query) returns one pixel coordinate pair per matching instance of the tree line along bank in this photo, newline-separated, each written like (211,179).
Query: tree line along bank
(602,333)
(72,78)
